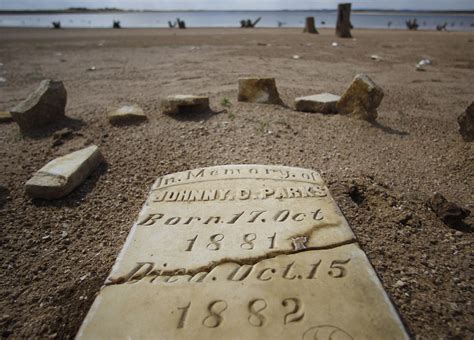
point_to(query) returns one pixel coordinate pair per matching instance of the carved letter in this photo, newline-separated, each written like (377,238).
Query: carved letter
(259,276)
(209,195)
(266,192)
(243,276)
(243,194)
(288,270)
(150,219)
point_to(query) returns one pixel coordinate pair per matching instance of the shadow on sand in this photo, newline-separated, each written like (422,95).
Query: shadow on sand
(388,129)
(43,132)
(190,114)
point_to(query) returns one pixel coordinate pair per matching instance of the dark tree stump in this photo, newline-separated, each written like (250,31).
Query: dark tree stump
(343,26)
(309,26)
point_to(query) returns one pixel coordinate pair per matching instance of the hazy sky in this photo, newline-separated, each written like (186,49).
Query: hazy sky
(237,4)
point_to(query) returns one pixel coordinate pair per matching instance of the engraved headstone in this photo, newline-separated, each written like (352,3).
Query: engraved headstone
(242,252)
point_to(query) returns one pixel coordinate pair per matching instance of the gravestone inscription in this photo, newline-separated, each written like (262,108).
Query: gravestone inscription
(242,251)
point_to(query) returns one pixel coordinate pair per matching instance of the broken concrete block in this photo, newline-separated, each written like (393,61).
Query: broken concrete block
(361,99)
(5,117)
(126,115)
(62,175)
(42,107)
(180,104)
(258,90)
(319,103)
(466,123)
(242,252)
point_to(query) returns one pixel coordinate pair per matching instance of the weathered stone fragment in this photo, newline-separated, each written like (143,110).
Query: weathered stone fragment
(5,117)
(319,103)
(258,90)
(450,213)
(466,123)
(60,176)
(42,107)
(126,115)
(361,99)
(242,252)
(182,104)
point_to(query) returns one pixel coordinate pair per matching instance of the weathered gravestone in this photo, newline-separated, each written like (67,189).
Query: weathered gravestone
(242,252)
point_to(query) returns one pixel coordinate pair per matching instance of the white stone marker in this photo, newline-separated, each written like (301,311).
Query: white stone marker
(319,103)
(60,176)
(242,252)
(126,115)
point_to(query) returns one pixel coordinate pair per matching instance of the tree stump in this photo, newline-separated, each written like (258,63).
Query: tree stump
(309,26)
(343,26)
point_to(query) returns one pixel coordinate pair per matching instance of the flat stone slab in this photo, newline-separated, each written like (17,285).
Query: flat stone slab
(258,90)
(184,104)
(5,117)
(44,106)
(62,175)
(126,115)
(242,251)
(318,103)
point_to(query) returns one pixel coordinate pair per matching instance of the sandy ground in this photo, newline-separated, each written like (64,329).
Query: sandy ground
(55,255)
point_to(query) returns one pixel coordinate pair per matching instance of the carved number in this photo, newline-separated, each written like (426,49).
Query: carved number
(215,239)
(257,213)
(191,243)
(255,307)
(215,318)
(248,241)
(272,241)
(296,314)
(337,269)
(184,313)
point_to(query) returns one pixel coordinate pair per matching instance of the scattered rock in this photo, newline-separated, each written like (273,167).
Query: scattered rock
(42,107)
(258,90)
(60,176)
(450,213)
(180,104)
(5,117)
(321,103)
(126,115)
(361,99)
(466,123)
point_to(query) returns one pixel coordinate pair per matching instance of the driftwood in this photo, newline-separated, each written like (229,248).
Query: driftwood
(178,23)
(343,25)
(248,23)
(442,27)
(56,24)
(181,23)
(309,26)
(412,25)
(116,24)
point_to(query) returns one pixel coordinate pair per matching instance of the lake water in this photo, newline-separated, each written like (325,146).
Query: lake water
(458,22)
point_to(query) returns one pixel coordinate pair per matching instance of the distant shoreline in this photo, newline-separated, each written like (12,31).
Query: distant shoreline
(114,10)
